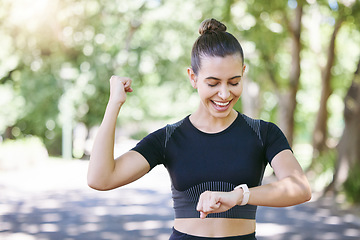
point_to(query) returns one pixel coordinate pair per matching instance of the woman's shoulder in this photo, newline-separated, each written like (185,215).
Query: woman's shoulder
(257,122)
(165,131)
(176,124)
(265,130)
(170,128)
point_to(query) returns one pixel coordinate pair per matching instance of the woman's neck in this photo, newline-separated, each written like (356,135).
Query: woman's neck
(208,123)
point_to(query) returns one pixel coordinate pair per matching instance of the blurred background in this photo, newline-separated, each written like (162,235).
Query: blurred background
(56,58)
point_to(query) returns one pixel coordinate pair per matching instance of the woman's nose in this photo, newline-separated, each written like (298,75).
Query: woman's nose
(224,93)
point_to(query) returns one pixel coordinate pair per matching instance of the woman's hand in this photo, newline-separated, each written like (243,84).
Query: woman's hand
(216,202)
(119,86)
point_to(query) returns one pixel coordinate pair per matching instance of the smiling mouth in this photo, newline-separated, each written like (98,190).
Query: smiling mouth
(221,106)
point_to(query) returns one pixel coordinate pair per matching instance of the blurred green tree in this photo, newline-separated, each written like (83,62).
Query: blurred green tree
(61,54)
(347,170)
(343,14)
(335,81)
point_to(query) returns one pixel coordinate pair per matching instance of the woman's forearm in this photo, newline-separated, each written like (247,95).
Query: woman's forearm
(288,191)
(102,156)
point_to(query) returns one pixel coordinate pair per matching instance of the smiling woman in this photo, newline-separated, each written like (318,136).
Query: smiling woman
(216,157)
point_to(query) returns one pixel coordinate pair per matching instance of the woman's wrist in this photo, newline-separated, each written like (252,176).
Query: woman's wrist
(112,111)
(113,103)
(244,198)
(239,195)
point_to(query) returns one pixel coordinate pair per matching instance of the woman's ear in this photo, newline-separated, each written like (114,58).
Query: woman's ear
(192,77)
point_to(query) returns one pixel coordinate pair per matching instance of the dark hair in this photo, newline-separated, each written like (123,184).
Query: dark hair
(213,41)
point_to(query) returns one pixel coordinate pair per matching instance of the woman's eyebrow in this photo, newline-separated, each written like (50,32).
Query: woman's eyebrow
(239,76)
(213,78)
(218,79)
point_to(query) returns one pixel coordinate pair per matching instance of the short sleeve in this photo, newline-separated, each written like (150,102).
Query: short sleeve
(275,141)
(152,147)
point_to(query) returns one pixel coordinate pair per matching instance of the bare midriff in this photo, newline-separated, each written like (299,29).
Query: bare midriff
(215,227)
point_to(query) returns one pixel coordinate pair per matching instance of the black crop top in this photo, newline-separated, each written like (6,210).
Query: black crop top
(198,161)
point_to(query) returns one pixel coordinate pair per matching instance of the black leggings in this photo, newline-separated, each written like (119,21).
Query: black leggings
(176,235)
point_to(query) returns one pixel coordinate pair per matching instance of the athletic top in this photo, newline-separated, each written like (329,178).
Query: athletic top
(199,161)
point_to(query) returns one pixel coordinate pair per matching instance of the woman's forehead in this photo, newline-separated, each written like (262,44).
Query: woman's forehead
(221,60)
(230,63)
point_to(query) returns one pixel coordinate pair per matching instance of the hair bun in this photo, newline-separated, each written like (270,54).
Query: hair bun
(211,25)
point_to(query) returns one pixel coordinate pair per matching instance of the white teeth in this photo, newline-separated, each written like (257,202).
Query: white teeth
(221,104)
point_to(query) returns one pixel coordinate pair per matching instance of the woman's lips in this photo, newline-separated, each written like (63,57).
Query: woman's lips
(221,106)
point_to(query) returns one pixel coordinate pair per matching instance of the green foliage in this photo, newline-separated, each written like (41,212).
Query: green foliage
(324,169)
(352,185)
(11,104)
(327,160)
(60,66)
(266,27)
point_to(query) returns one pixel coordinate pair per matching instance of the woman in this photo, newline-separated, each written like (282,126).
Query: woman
(215,157)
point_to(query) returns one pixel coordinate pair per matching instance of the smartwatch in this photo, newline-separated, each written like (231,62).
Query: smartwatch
(246,193)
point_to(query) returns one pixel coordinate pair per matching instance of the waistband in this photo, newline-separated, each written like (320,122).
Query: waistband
(176,235)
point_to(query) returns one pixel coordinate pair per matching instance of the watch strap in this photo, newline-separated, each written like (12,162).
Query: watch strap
(246,193)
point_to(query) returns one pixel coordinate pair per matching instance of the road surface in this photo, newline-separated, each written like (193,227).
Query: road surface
(51,201)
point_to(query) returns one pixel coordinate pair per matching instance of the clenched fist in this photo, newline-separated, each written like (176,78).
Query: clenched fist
(215,202)
(119,86)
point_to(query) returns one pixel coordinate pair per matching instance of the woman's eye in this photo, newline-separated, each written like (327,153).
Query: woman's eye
(215,84)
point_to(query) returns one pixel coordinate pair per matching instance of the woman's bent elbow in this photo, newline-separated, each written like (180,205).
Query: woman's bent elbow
(103,184)
(306,190)
(303,189)
(307,194)
(97,185)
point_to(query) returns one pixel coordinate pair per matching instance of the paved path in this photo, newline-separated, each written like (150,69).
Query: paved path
(53,202)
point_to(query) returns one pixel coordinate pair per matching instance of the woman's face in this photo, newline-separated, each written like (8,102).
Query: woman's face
(219,83)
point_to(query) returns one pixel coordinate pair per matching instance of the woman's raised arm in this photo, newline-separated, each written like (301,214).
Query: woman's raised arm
(104,173)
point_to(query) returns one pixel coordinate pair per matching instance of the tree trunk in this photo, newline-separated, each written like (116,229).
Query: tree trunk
(348,161)
(320,130)
(8,133)
(287,101)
